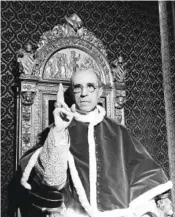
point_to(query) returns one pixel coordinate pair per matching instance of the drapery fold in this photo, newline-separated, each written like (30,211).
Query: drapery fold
(167,33)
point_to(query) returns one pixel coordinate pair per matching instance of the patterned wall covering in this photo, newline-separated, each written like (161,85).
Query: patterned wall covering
(128,28)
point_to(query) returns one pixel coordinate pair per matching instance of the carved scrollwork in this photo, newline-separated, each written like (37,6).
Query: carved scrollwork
(27,97)
(26,116)
(73,28)
(65,62)
(120,98)
(119,116)
(78,46)
(27,60)
(119,77)
(70,34)
(27,93)
(60,53)
(119,73)
(26,138)
(26,128)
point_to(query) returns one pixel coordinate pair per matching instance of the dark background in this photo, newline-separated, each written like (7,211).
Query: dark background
(127,28)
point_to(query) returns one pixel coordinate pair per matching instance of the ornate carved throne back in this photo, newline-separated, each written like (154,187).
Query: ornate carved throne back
(60,52)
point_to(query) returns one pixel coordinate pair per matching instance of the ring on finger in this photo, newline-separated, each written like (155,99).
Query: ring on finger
(57,105)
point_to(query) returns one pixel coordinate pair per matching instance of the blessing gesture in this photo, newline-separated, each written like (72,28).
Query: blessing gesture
(62,113)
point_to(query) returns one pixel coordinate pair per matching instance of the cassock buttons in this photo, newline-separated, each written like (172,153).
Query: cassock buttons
(98,193)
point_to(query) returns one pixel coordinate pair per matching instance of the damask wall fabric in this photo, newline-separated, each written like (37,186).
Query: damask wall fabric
(130,29)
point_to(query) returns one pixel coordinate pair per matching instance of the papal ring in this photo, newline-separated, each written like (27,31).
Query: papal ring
(57,105)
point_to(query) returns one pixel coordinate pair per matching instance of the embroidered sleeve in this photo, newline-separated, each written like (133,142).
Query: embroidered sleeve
(51,165)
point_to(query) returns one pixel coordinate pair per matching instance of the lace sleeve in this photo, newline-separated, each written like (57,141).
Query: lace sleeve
(52,162)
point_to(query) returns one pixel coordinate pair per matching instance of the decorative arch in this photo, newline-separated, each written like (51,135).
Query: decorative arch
(60,52)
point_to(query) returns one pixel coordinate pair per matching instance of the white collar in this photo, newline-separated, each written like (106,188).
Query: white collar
(94,116)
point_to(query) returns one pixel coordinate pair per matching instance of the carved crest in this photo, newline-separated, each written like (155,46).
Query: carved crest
(59,53)
(65,62)
(62,50)
(119,73)
(73,28)
(26,60)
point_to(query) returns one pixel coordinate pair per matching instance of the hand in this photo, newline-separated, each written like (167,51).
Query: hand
(54,154)
(62,114)
(165,207)
(52,212)
(55,212)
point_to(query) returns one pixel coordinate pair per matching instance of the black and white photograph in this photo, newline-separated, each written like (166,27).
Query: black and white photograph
(88,108)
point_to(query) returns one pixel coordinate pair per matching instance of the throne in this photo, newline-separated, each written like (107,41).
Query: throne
(59,53)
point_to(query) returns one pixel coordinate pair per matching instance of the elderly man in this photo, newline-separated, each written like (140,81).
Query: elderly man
(89,165)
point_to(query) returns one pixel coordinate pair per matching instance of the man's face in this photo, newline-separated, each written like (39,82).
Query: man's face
(86,90)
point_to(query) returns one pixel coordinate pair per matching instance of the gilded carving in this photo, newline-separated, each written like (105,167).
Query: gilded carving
(119,115)
(26,125)
(60,53)
(120,98)
(27,93)
(70,34)
(72,29)
(26,116)
(26,60)
(119,73)
(26,138)
(27,97)
(65,62)
(119,77)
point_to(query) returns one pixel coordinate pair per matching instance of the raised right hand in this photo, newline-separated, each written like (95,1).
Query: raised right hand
(54,154)
(62,113)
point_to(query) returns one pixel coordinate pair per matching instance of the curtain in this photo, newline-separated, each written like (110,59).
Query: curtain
(167,35)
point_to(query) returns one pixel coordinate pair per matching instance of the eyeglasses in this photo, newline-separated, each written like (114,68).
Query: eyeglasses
(77,88)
